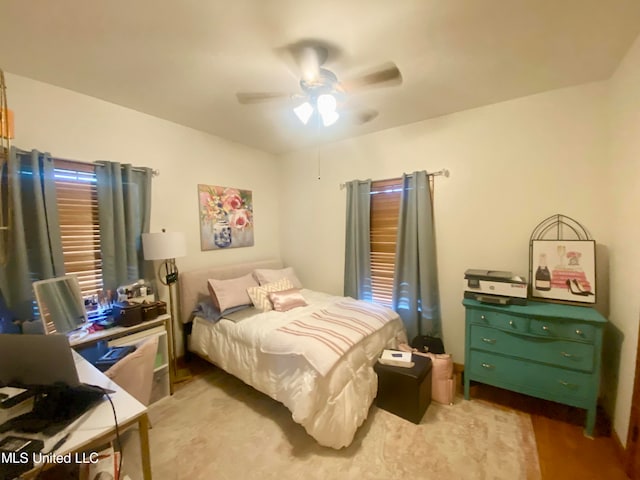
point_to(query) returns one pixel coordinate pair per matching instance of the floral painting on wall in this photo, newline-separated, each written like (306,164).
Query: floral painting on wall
(226,217)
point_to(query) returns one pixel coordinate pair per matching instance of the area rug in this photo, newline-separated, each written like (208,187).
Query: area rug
(216,427)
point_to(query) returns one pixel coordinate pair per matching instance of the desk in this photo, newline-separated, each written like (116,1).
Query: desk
(97,426)
(79,341)
(120,336)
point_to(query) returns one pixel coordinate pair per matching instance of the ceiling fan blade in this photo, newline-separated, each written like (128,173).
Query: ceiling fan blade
(358,114)
(385,74)
(365,115)
(246,98)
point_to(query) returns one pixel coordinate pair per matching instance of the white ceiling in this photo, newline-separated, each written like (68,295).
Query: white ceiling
(184,60)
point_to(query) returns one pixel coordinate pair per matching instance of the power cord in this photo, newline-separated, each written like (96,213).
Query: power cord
(115,420)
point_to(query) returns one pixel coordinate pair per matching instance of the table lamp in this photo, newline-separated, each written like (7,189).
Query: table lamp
(167,246)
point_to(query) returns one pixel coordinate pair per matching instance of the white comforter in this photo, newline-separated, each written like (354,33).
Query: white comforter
(330,407)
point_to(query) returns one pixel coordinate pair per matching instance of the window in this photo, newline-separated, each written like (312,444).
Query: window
(385,208)
(77,199)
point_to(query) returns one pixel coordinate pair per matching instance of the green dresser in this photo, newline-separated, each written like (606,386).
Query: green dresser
(545,350)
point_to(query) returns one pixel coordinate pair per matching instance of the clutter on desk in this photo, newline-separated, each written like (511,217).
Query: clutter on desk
(149,311)
(113,356)
(138,290)
(127,314)
(19,451)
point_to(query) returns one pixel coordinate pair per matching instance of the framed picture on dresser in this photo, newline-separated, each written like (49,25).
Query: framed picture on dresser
(563,270)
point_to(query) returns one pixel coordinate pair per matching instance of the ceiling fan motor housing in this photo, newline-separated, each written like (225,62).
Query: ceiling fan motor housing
(326,82)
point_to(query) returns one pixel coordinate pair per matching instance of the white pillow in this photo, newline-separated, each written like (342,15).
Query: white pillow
(264,276)
(260,295)
(231,293)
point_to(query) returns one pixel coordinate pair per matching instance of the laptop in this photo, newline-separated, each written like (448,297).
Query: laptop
(36,361)
(44,365)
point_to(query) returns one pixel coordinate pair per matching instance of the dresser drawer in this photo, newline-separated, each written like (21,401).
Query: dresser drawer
(563,329)
(498,320)
(575,355)
(552,383)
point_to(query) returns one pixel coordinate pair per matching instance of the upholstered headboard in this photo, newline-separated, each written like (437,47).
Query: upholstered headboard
(193,284)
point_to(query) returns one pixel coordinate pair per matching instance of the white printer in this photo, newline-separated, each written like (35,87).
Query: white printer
(493,286)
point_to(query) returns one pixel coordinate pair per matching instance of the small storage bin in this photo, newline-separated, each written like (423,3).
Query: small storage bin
(127,314)
(405,392)
(161,307)
(149,311)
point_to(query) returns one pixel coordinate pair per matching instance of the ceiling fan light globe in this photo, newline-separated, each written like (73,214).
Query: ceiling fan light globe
(326,104)
(304,112)
(329,118)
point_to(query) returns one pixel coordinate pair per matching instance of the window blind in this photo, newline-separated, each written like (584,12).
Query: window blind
(385,208)
(77,199)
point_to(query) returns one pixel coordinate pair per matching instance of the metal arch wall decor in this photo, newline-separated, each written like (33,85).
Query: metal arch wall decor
(562,262)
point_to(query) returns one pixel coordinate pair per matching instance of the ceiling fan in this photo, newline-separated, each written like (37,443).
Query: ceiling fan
(322,93)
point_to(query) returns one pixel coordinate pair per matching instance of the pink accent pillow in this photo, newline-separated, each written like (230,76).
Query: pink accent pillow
(260,295)
(232,292)
(287,299)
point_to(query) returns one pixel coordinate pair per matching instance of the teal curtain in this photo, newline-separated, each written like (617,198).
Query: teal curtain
(357,265)
(415,289)
(124,200)
(33,246)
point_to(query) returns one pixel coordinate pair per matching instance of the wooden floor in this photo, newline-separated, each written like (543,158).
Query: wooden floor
(563,450)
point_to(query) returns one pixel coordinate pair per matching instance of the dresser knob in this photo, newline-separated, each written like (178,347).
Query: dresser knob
(579,332)
(511,323)
(567,355)
(487,365)
(482,317)
(545,328)
(488,340)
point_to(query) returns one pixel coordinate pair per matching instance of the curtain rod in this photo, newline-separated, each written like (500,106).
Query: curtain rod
(444,172)
(154,173)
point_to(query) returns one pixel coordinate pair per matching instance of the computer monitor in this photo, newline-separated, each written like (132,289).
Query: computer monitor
(60,303)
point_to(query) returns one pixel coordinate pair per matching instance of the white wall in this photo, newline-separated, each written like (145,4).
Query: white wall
(79,127)
(625,223)
(512,165)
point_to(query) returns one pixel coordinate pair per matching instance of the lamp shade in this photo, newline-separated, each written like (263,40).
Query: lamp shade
(164,245)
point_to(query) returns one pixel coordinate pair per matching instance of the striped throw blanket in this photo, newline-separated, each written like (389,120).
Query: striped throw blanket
(325,335)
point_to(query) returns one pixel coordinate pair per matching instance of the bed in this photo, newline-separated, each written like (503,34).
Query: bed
(328,391)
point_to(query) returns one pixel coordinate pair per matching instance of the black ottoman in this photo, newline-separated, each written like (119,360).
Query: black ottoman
(405,392)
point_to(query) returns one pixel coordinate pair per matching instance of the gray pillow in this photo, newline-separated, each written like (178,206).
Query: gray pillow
(207,310)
